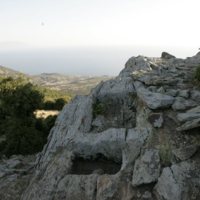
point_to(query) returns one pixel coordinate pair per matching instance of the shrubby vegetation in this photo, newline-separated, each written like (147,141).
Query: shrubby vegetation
(99,108)
(53,99)
(23,132)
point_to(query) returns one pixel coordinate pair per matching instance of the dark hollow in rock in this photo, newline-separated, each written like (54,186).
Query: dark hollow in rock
(156,119)
(114,112)
(100,165)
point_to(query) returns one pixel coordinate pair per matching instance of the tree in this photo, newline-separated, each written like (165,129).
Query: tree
(18,97)
(18,100)
(59,103)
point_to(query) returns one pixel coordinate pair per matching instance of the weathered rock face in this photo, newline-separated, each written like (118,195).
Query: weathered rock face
(166,55)
(15,174)
(180,181)
(134,137)
(147,168)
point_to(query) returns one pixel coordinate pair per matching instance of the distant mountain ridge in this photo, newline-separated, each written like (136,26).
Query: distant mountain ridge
(71,84)
(66,83)
(6,72)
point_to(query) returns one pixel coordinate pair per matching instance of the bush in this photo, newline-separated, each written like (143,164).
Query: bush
(23,132)
(22,137)
(45,125)
(98,108)
(18,101)
(57,104)
(18,98)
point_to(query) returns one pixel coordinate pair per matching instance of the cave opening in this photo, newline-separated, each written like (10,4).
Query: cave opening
(98,165)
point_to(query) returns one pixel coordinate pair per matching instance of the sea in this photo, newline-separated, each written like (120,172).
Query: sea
(94,61)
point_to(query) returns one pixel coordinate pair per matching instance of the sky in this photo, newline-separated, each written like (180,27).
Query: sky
(52,24)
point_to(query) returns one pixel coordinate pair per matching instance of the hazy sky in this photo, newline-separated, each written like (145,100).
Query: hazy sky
(44,23)
(94,36)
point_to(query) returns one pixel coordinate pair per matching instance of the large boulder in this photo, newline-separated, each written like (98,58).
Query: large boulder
(146,168)
(151,99)
(180,181)
(166,55)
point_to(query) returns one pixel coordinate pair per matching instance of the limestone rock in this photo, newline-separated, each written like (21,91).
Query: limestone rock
(115,88)
(185,152)
(135,64)
(172,92)
(161,90)
(15,174)
(156,119)
(195,123)
(147,168)
(147,195)
(184,93)
(189,115)
(115,105)
(48,178)
(167,187)
(183,104)
(12,186)
(99,123)
(153,100)
(166,55)
(134,141)
(113,188)
(180,181)
(195,95)
(76,187)
(108,143)
(151,80)
(191,119)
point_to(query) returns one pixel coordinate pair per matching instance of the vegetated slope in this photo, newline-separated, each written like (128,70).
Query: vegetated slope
(70,84)
(6,72)
(50,94)
(73,85)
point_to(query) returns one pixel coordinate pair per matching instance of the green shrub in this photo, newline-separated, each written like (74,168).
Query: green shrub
(45,124)
(56,104)
(18,100)
(22,137)
(23,132)
(98,108)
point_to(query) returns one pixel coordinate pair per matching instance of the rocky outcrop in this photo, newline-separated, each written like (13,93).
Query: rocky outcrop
(134,137)
(180,181)
(166,55)
(147,168)
(15,174)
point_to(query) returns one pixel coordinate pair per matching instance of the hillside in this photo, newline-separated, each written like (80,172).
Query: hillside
(6,72)
(135,137)
(73,85)
(70,84)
